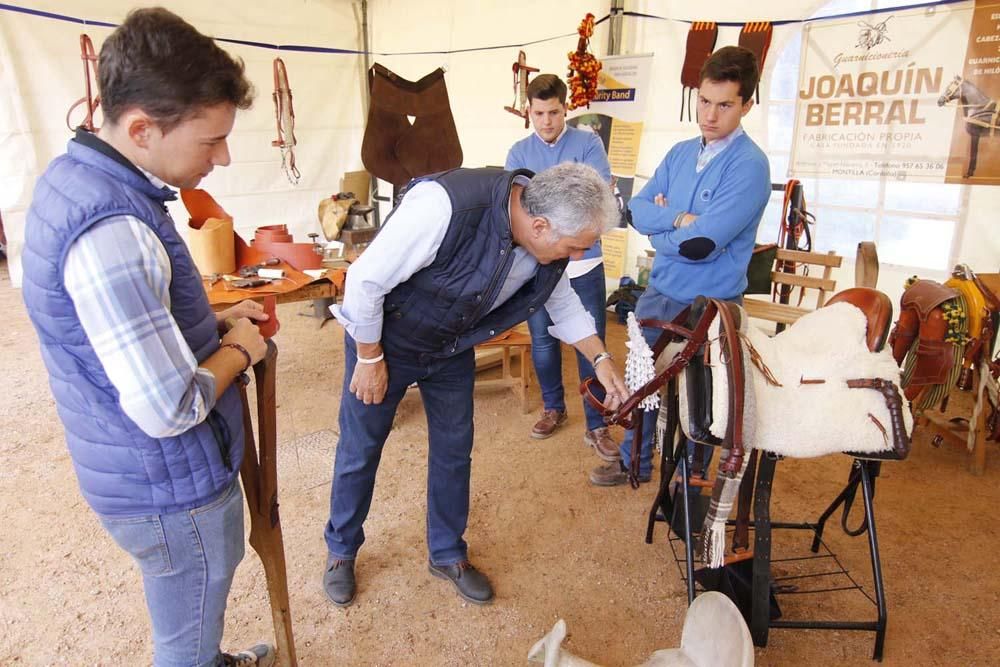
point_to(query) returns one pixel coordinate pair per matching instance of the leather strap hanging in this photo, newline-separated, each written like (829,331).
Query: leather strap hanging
(755,36)
(284,117)
(700,44)
(91,100)
(795,221)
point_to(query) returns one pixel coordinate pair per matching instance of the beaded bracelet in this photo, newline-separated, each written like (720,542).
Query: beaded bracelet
(243,350)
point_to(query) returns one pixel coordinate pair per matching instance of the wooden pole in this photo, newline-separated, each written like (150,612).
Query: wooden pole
(259,473)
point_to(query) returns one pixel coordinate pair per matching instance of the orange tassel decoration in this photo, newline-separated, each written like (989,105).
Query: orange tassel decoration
(583,83)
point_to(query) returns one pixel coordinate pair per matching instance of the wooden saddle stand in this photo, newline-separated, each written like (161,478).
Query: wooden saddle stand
(259,473)
(691,330)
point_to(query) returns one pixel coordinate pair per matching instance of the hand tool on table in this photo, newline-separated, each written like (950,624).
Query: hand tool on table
(250,270)
(251,282)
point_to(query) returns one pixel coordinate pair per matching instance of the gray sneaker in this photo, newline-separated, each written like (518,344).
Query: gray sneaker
(261,655)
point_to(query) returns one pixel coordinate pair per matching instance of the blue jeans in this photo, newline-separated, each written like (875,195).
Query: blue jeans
(653,305)
(187,560)
(446,390)
(546,350)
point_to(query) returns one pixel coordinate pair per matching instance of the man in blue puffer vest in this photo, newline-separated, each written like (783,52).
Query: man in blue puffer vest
(141,374)
(466,255)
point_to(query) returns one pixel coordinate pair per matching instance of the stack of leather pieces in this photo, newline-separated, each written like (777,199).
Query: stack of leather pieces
(201,206)
(275,241)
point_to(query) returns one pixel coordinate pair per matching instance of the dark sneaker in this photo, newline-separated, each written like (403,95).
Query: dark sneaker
(338,581)
(604,445)
(612,474)
(261,655)
(547,425)
(470,582)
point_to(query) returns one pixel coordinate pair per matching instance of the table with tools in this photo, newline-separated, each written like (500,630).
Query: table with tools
(225,290)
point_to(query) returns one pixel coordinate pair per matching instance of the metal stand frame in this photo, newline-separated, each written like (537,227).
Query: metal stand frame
(863,474)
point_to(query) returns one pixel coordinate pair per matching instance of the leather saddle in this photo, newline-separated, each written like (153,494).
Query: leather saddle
(723,366)
(923,323)
(780,393)
(826,384)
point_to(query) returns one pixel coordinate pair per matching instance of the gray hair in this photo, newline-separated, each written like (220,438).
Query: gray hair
(573,198)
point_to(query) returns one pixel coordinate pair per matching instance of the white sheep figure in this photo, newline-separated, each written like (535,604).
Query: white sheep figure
(639,366)
(714,635)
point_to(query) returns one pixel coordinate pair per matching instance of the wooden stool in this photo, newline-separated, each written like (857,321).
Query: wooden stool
(516,341)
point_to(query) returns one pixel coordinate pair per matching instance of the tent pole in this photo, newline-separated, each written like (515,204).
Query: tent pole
(615,28)
(366,97)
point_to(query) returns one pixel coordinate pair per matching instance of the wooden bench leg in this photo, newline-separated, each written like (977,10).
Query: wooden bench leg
(525,379)
(977,457)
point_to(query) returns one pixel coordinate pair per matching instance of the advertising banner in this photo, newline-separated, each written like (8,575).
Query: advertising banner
(905,95)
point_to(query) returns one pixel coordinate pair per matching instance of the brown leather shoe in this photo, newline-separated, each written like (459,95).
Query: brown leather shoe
(604,445)
(547,425)
(612,474)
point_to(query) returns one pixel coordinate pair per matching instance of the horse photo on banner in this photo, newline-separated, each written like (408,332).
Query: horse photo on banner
(975,146)
(893,94)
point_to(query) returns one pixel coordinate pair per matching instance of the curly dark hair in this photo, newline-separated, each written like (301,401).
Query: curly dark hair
(160,63)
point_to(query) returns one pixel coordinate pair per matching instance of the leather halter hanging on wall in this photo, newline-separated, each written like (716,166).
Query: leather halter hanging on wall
(700,44)
(284,118)
(755,37)
(90,100)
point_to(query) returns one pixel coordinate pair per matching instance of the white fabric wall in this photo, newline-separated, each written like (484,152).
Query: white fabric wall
(40,74)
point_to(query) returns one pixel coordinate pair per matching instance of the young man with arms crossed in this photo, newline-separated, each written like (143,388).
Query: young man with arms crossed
(700,211)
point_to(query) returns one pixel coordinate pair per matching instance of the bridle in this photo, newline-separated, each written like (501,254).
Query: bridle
(91,101)
(284,117)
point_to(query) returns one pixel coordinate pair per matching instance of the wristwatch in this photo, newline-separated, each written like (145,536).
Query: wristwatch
(600,357)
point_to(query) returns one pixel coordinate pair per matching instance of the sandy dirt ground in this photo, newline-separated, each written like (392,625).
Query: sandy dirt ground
(554,546)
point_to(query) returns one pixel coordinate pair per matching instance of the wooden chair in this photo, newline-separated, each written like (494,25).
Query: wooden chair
(788,313)
(498,350)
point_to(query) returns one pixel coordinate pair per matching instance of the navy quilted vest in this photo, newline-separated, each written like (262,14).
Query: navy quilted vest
(442,310)
(121,470)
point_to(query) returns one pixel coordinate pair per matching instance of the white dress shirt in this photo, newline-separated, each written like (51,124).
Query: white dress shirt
(409,242)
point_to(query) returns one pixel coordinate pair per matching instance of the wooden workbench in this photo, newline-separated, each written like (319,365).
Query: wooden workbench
(329,287)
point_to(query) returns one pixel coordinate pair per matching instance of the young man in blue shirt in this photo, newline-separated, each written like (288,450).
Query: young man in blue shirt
(552,142)
(700,211)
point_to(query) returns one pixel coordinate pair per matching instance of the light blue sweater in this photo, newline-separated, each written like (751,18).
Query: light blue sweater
(709,256)
(575,145)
